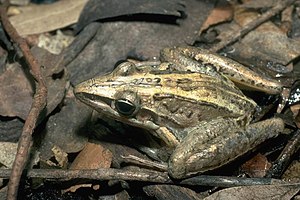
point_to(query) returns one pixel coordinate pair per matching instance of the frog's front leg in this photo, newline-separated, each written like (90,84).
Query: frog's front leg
(207,147)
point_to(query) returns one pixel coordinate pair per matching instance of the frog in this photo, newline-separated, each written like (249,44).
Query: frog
(191,102)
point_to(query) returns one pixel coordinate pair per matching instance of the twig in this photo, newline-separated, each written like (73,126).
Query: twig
(96,174)
(284,158)
(39,102)
(252,25)
(228,181)
(143,175)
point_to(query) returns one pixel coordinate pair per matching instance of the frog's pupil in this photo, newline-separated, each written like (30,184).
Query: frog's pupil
(125,107)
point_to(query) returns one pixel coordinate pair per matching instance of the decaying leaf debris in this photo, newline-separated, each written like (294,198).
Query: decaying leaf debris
(64,144)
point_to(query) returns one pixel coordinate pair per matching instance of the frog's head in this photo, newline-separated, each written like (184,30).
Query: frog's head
(120,95)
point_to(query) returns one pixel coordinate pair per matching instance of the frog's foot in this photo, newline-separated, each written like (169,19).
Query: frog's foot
(223,142)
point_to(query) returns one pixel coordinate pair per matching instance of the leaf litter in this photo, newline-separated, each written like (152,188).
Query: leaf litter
(65,128)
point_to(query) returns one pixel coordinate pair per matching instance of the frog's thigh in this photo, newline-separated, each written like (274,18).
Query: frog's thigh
(226,141)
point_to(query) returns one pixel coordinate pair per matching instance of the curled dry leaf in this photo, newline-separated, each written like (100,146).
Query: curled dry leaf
(257,166)
(61,158)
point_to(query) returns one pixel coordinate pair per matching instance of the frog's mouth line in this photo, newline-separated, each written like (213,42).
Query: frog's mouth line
(101,104)
(104,105)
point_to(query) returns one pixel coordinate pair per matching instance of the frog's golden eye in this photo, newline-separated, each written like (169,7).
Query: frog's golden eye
(125,107)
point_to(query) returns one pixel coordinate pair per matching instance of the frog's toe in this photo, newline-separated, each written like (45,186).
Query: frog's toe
(177,168)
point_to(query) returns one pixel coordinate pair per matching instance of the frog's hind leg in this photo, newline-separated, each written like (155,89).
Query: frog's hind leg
(203,61)
(216,143)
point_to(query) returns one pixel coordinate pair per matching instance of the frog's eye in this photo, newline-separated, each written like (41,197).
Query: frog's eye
(125,107)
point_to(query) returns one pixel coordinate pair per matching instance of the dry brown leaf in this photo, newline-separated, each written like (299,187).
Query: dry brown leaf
(93,156)
(282,192)
(264,46)
(16,92)
(257,166)
(218,15)
(47,17)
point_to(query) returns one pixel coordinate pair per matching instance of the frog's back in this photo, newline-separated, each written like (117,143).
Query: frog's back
(182,93)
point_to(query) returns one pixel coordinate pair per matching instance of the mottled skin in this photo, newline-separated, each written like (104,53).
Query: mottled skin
(188,104)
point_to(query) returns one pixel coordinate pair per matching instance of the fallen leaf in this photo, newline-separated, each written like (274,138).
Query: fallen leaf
(92,156)
(65,129)
(257,166)
(61,157)
(140,39)
(292,172)
(97,10)
(123,195)
(54,43)
(17,87)
(3,192)
(219,14)
(264,46)
(19,2)
(16,92)
(47,17)
(165,192)
(8,152)
(282,192)
(10,130)
(258,4)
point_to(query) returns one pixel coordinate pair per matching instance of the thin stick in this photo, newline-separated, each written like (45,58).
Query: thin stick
(39,102)
(252,25)
(143,175)
(285,157)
